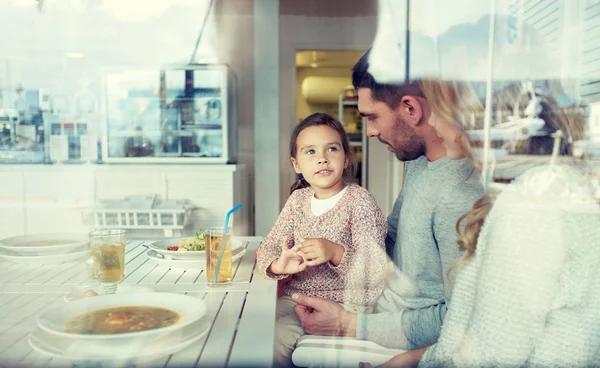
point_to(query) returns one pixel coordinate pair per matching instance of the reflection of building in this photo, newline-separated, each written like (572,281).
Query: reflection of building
(590,53)
(590,147)
(594,122)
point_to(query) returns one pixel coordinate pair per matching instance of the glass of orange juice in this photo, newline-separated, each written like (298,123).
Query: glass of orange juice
(214,241)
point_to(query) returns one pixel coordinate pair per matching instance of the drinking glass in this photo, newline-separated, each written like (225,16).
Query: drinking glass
(107,259)
(215,239)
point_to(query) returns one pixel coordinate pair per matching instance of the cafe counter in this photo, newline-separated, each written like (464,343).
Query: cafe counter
(53,198)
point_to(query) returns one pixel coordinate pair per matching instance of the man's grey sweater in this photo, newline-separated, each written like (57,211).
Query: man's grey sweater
(422,242)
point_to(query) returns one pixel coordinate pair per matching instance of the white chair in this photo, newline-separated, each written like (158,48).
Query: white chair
(334,351)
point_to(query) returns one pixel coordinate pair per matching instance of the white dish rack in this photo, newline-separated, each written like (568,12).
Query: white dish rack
(140,213)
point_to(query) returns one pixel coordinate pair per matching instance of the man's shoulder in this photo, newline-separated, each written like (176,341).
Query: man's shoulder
(461,195)
(417,164)
(460,173)
(461,186)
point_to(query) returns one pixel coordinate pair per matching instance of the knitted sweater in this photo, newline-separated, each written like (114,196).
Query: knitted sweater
(530,294)
(422,238)
(356,223)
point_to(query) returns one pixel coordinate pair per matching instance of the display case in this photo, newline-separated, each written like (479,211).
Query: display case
(21,140)
(183,113)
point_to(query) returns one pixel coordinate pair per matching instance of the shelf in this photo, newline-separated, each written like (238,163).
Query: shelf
(355,137)
(355,144)
(151,133)
(350,102)
(186,131)
(202,127)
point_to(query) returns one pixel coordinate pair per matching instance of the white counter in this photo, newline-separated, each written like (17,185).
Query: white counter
(50,198)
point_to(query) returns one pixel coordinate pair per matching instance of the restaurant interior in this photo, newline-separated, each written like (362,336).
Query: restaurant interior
(164,119)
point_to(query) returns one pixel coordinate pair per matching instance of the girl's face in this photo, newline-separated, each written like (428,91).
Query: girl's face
(321,160)
(450,134)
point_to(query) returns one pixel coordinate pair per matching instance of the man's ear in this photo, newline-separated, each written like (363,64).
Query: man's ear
(411,109)
(295,164)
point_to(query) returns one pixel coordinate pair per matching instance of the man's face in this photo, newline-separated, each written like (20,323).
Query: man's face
(390,127)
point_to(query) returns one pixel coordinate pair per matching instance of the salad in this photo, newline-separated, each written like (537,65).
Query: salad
(195,244)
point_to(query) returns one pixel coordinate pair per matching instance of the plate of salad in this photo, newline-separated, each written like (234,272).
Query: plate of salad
(186,248)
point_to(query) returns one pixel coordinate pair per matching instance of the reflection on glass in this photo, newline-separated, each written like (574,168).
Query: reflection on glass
(171,112)
(538,81)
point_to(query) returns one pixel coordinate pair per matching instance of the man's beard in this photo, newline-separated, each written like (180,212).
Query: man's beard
(411,147)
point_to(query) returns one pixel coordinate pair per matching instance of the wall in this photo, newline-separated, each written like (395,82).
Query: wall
(235,46)
(267,122)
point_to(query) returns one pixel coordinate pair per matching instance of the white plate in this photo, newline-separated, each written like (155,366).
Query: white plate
(337,351)
(162,245)
(120,352)
(190,310)
(47,259)
(188,264)
(23,245)
(77,292)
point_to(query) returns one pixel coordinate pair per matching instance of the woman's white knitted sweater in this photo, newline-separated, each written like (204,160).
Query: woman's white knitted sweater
(531,294)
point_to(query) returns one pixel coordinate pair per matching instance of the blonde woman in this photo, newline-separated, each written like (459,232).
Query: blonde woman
(527,289)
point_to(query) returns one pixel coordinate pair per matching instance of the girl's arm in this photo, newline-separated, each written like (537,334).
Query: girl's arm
(364,264)
(270,248)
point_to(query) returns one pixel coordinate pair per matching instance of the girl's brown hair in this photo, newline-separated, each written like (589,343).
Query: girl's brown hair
(319,119)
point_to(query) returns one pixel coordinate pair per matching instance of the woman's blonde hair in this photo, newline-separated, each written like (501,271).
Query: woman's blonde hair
(457,103)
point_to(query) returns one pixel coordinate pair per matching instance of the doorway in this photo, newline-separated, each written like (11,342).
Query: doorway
(324,84)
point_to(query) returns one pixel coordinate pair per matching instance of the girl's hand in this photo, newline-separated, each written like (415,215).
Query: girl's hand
(289,262)
(318,251)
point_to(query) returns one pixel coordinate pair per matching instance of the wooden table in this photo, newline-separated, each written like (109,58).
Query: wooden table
(242,331)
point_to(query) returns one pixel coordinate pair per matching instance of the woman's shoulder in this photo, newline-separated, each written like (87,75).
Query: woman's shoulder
(552,182)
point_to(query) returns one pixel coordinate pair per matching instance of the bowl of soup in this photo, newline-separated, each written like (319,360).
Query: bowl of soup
(122,316)
(44,244)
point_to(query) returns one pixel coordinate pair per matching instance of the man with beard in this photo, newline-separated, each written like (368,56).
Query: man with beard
(421,239)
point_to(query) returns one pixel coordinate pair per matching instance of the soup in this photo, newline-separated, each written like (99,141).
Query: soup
(121,320)
(45,243)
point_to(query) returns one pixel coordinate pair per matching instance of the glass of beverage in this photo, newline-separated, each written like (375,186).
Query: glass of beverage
(107,260)
(214,241)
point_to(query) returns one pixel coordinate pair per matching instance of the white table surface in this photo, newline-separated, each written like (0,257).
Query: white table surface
(243,327)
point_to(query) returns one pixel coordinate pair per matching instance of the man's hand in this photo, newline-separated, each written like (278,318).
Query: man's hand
(289,262)
(318,251)
(324,317)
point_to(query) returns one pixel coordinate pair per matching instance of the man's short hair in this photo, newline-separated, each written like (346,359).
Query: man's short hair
(391,94)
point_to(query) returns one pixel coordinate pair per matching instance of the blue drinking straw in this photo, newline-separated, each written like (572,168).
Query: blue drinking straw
(224,241)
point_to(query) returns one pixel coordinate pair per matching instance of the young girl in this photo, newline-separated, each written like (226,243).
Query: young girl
(330,236)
